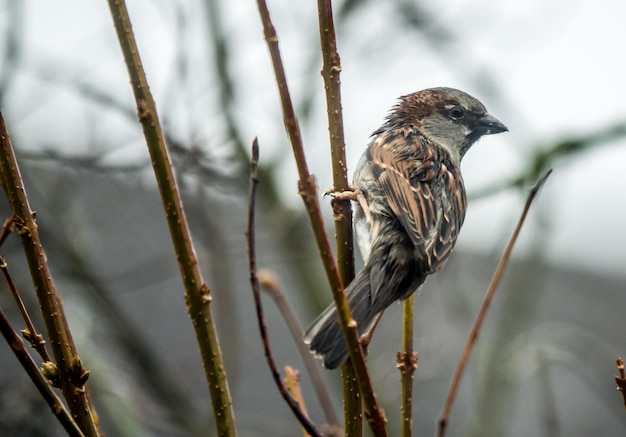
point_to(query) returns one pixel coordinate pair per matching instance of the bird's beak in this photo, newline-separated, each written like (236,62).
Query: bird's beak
(488,125)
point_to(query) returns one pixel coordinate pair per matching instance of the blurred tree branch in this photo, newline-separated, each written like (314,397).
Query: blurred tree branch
(621,379)
(544,157)
(226,86)
(150,367)
(12,39)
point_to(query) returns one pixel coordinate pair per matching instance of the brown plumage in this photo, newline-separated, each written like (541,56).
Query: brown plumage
(410,177)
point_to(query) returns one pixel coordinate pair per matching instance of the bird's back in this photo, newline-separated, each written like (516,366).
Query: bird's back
(412,183)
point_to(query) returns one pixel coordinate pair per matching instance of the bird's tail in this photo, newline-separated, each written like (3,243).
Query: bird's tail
(324,335)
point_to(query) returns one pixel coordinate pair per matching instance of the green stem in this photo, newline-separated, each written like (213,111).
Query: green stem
(355,380)
(352,405)
(61,342)
(407,363)
(197,293)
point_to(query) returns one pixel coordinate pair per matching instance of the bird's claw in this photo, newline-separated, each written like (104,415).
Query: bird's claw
(354,194)
(348,194)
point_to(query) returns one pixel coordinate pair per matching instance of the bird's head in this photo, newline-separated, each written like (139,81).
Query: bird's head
(448,117)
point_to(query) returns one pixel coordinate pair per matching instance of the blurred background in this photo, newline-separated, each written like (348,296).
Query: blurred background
(552,71)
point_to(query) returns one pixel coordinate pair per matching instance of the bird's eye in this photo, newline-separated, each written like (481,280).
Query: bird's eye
(457,113)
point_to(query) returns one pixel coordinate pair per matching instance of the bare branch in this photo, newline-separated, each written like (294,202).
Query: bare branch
(292,382)
(544,156)
(271,284)
(56,405)
(30,333)
(61,341)
(621,379)
(256,291)
(480,317)
(308,191)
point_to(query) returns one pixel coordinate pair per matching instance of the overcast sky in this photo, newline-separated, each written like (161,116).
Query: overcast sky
(545,68)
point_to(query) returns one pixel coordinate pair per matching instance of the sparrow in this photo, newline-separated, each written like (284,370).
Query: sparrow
(412,205)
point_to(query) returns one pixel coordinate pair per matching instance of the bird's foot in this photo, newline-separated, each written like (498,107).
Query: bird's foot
(353,194)
(349,194)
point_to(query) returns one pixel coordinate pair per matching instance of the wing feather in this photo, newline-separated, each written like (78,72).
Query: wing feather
(424,190)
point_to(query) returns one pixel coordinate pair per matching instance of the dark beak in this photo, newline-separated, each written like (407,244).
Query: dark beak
(488,125)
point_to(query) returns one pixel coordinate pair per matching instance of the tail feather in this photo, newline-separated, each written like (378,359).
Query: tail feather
(324,336)
(393,272)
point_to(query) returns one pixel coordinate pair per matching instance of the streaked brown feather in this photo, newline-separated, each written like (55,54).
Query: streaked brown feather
(424,189)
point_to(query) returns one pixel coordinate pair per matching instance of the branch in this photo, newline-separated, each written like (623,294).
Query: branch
(480,317)
(543,156)
(256,291)
(6,228)
(308,191)
(271,284)
(342,211)
(58,409)
(621,379)
(332,84)
(292,382)
(197,292)
(220,52)
(165,387)
(61,341)
(407,363)
(30,333)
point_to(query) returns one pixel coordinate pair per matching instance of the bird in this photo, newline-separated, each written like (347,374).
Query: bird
(409,205)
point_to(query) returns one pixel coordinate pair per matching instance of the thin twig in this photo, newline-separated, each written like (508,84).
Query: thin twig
(56,405)
(269,281)
(621,379)
(6,229)
(93,163)
(256,291)
(30,333)
(308,191)
(480,317)
(197,292)
(292,382)
(407,363)
(226,89)
(549,416)
(366,338)
(61,341)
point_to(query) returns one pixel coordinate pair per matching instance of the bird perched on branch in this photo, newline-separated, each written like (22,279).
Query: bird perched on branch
(412,205)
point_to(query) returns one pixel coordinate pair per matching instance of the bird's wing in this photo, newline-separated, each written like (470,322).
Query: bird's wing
(426,195)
